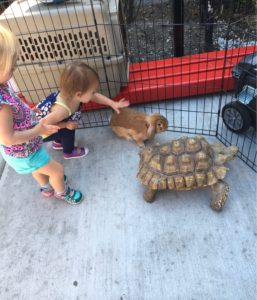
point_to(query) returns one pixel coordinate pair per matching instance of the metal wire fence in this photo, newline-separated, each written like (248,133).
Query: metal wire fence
(135,54)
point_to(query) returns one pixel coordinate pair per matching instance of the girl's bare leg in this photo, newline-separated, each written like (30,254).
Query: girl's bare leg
(42,179)
(55,172)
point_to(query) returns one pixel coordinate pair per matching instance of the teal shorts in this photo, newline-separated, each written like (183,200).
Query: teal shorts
(25,165)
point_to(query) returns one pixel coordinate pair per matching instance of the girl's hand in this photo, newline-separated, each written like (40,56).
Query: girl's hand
(71,125)
(35,109)
(120,104)
(45,129)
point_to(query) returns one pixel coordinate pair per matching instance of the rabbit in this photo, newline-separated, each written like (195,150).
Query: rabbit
(131,124)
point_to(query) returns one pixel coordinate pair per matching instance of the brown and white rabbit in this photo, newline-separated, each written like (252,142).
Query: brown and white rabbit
(134,125)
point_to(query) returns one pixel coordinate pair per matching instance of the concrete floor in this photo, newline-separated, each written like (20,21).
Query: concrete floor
(114,246)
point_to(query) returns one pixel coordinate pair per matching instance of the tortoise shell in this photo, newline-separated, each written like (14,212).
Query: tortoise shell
(181,164)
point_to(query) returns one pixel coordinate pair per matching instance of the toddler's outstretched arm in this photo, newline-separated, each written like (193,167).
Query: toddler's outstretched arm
(115,105)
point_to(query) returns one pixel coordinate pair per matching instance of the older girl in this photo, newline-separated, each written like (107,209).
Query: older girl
(20,132)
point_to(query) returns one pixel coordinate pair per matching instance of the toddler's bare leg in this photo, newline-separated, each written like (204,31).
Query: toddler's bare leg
(55,172)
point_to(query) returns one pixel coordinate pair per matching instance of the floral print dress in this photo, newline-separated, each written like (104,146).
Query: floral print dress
(23,118)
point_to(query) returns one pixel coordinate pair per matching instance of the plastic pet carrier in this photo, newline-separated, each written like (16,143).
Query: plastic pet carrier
(50,35)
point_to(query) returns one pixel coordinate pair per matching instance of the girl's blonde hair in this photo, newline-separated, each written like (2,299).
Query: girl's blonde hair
(77,77)
(9,50)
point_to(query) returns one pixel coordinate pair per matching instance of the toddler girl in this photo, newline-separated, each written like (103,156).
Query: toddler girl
(78,85)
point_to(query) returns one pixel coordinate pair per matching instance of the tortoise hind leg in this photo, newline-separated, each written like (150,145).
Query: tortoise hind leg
(219,195)
(149,195)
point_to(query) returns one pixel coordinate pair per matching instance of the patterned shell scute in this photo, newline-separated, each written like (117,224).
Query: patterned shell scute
(181,164)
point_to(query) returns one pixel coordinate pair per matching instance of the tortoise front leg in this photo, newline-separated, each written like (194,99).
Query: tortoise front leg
(219,195)
(149,195)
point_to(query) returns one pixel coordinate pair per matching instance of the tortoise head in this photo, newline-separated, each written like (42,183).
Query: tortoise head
(226,154)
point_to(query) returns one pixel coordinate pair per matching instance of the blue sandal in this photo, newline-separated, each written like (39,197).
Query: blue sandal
(71,196)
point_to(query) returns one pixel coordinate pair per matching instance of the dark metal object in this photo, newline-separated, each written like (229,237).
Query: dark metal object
(245,72)
(207,19)
(178,11)
(240,114)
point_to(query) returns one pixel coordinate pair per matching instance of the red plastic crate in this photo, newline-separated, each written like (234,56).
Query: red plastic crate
(186,76)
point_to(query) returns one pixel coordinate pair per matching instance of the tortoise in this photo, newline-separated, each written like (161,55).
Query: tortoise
(184,164)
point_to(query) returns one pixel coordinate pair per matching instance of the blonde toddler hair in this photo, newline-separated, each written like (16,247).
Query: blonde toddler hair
(77,77)
(9,50)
